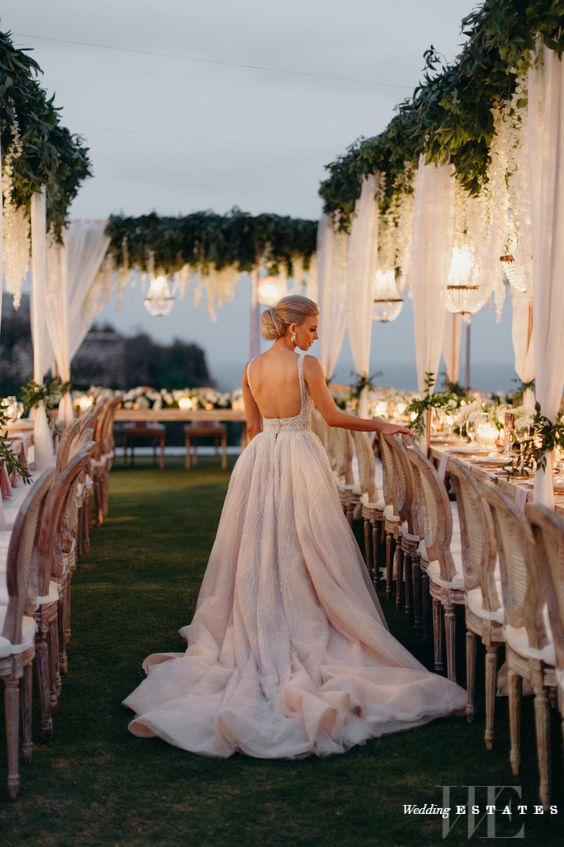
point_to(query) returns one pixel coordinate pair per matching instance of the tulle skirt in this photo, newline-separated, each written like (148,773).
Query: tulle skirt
(289,653)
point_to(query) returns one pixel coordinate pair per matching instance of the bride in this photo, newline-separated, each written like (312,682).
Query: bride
(289,653)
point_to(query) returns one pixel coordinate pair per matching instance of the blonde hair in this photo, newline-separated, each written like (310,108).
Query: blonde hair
(293,309)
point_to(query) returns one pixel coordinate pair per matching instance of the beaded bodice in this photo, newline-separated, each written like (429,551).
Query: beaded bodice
(301,421)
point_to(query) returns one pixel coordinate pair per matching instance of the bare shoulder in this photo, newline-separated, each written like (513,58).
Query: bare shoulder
(312,367)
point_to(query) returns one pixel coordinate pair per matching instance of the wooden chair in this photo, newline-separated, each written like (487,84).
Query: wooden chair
(440,555)
(371,500)
(529,649)
(17,628)
(204,429)
(394,499)
(51,582)
(548,530)
(103,460)
(408,574)
(484,613)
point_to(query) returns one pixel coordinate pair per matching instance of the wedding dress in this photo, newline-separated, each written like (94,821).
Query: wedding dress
(289,653)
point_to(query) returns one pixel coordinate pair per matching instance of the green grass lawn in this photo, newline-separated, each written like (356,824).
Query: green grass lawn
(96,784)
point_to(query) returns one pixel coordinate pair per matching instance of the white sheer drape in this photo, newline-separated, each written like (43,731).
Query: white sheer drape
(332,250)
(546,169)
(451,345)
(522,335)
(74,269)
(2,520)
(42,351)
(433,217)
(363,253)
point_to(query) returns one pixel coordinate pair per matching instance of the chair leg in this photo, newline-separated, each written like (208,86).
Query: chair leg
(450,633)
(425,607)
(42,659)
(187,455)
(438,635)
(515,688)
(54,669)
(542,725)
(12,710)
(162,455)
(224,451)
(399,575)
(491,679)
(375,555)
(417,597)
(408,583)
(388,565)
(471,645)
(26,699)
(367,542)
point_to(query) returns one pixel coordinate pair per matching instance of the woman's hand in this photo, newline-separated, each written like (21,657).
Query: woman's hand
(394,429)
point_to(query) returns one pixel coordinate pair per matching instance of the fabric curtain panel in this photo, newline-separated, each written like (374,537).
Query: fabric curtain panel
(332,249)
(522,335)
(546,179)
(74,273)
(362,258)
(431,246)
(42,351)
(451,345)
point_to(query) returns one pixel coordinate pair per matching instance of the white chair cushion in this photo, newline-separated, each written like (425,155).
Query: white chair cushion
(475,602)
(434,574)
(28,635)
(518,640)
(53,595)
(389,514)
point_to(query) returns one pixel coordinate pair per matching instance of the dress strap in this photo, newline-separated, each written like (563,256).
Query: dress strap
(303,391)
(249,374)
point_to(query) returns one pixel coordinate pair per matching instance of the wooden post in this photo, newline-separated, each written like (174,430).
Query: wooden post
(428,419)
(467,380)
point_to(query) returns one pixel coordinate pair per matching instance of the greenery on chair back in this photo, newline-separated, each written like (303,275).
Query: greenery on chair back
(7,456)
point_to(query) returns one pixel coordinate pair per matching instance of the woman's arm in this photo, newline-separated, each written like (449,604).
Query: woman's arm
(252,415)
(324,402)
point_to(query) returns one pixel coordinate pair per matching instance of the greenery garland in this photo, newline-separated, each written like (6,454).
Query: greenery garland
(542,438)
(205,240)
(440,400)
(48,393)
(50,155)
(7,456)
(449,118)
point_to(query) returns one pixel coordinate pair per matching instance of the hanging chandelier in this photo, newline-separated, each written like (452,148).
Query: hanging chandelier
(463,296)
(159,298)
(387,304)
(270,289)
(513,273)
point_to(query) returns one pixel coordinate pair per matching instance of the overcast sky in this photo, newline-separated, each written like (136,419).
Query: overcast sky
(194,105)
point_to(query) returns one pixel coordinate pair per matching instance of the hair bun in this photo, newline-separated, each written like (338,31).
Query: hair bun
(272,325)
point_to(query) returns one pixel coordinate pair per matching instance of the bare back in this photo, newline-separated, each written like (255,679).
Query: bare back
(275,385)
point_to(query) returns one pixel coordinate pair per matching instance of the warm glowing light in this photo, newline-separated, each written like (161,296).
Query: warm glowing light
(185,403)
(462,295)
(387,303)
(159,299)
(513,273)
(270,290)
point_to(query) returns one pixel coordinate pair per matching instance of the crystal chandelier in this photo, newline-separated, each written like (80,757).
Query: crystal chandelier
(513,273)
(159,299)
(270,290)
(462,295)
(387,304)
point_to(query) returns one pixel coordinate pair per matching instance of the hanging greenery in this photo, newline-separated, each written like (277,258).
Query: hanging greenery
(204,240)
(47,153)
(449,118)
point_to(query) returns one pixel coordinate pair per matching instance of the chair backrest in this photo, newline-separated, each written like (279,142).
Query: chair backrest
(69,434)
(437,516)
(519,565)
(340,452)
(477,534)
(48,552)
(20,554)
(366,465)
(548,531)
(402,488)
(107,423)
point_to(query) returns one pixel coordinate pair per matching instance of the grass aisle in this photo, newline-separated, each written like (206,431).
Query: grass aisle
(96,784)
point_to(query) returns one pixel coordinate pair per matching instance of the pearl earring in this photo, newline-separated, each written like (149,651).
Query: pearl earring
(293,338)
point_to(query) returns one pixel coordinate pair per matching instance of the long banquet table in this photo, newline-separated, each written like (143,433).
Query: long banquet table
(521,490)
